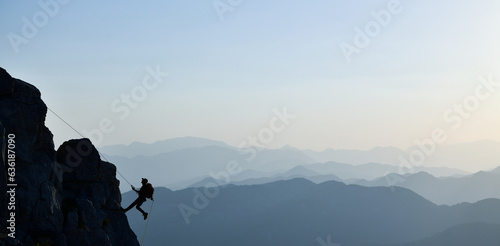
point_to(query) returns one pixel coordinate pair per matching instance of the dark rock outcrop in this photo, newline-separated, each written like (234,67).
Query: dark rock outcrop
(91,197)
(64,198)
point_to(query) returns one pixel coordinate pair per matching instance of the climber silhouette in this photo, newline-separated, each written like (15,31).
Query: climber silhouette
(146,191)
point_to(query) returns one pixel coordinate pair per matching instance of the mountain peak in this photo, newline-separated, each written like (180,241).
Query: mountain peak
(159,147)
(288,147)
(68,197)
(301,170)
(496,170)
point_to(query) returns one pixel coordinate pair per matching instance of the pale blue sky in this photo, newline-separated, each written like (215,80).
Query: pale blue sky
(226,77)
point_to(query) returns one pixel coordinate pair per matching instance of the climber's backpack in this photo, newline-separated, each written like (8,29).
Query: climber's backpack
(149,191)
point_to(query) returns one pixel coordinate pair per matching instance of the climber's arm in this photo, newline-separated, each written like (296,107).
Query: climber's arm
(133,188)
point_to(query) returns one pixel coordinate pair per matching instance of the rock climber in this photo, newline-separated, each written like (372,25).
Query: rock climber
(145,192)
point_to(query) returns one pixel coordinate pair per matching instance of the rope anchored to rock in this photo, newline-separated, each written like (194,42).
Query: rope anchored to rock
(104,157)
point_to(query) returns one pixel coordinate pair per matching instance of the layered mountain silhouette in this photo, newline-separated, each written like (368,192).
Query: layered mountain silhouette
(387,155)
(439,190)
(297,212)
(482,155)
(296,172)
(445,190)
(281,196)
(194,164)
(180,168)
(168,145)
(375,170)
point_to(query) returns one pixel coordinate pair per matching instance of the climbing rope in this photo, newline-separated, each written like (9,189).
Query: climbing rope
(149,216)
(151,209)
(85,137)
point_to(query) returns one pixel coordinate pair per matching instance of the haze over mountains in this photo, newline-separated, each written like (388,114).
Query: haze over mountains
(471,157)
(168,145)
(446,190)
(180,162)
(299,212)
(222,195)
(383,82)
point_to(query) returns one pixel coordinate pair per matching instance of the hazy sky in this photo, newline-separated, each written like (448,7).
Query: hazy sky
(413,63)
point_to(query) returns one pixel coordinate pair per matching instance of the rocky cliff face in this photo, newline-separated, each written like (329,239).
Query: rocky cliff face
(64,198)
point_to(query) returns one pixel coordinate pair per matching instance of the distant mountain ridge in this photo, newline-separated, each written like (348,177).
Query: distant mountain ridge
(297,212)
(447,190)
(143,149)
(177,166)
(296,172)
(441,191)
(484,234)
(185,162)
(387,155)
(471,157)
(374,170)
